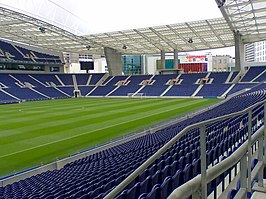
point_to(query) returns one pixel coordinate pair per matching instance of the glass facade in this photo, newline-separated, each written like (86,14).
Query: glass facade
(169,64)
(132,64)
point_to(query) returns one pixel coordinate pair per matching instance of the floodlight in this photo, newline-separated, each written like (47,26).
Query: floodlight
(42,29)
(190,40)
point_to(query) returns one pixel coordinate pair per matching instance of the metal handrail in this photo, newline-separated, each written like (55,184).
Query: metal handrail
(190,187)
(155,156)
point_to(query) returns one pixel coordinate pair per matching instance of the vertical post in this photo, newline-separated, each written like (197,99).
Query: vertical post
(264,133)
(239,51)
(175,59)
(203,161)
(243,172)
(263,145)
(163,59)
(249,149)
(260,157)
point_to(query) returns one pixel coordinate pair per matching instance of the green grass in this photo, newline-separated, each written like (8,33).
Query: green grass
(35,133)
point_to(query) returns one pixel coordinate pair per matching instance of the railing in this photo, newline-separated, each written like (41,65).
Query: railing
(58,164)
(197,187)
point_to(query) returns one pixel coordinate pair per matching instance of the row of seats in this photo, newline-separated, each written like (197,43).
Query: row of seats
(94,176)
(12,52)
(46,86)
(18,87)
(255,74)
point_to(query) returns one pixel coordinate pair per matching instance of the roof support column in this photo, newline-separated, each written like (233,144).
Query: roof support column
(114,61)
(239,52)
(175,59)
(163,58)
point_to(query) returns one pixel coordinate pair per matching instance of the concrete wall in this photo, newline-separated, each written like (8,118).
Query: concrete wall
(99,67)
(114,61)
(247,64)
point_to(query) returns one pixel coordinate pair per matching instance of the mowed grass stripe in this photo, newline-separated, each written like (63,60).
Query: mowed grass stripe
(84,137)
(70,117)
(55,114)
(28,111)
(100,129)
(90,122)
(70,128)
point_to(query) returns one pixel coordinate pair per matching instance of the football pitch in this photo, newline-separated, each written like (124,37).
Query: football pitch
(35,133)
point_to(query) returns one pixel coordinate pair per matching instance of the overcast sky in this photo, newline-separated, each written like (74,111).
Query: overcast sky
(112,15)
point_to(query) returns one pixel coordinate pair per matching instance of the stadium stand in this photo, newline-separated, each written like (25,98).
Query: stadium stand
(65,79)
(234,74)
(84,90)
(132,86)
(158,86)
(182,90)
(95,78)
(46,79)
(6,99)
(217,86)
(83,79)
(213,90)
(97,174)
(253,73)
(107,86)
(35,86)
(240,87)
(10,52)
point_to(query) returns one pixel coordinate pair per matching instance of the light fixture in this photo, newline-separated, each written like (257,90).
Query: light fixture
(88,47)
(190,40)
(42,29)
(124,47)
(221,3)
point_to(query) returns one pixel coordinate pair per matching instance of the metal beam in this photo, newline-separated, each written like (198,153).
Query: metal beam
(218,36)
(170,43)
(198,36)
(181,37)
(158,46)
(132,39)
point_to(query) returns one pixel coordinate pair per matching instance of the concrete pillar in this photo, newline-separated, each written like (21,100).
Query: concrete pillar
(114,61)
(163,58)
(143,64)
(239,52)
(175,59)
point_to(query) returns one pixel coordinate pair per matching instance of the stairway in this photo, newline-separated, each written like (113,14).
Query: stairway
(196,91)
(166,90)
(229,77)
(228,90)
(75,82)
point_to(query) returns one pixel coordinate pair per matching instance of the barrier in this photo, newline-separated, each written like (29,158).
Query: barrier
(197,187)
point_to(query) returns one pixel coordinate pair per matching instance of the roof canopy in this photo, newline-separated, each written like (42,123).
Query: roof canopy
(28,30)
(205,34)
(246,16)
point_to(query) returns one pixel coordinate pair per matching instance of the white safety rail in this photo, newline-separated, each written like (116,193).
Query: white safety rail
(197,187)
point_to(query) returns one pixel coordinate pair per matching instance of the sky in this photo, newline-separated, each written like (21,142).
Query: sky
(111,15)
(98,16)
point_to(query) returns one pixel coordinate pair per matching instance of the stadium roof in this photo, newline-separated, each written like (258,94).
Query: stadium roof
(246,16)
(205,34)
(19,27)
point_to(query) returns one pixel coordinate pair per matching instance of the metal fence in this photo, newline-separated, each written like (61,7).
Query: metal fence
(197,187)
